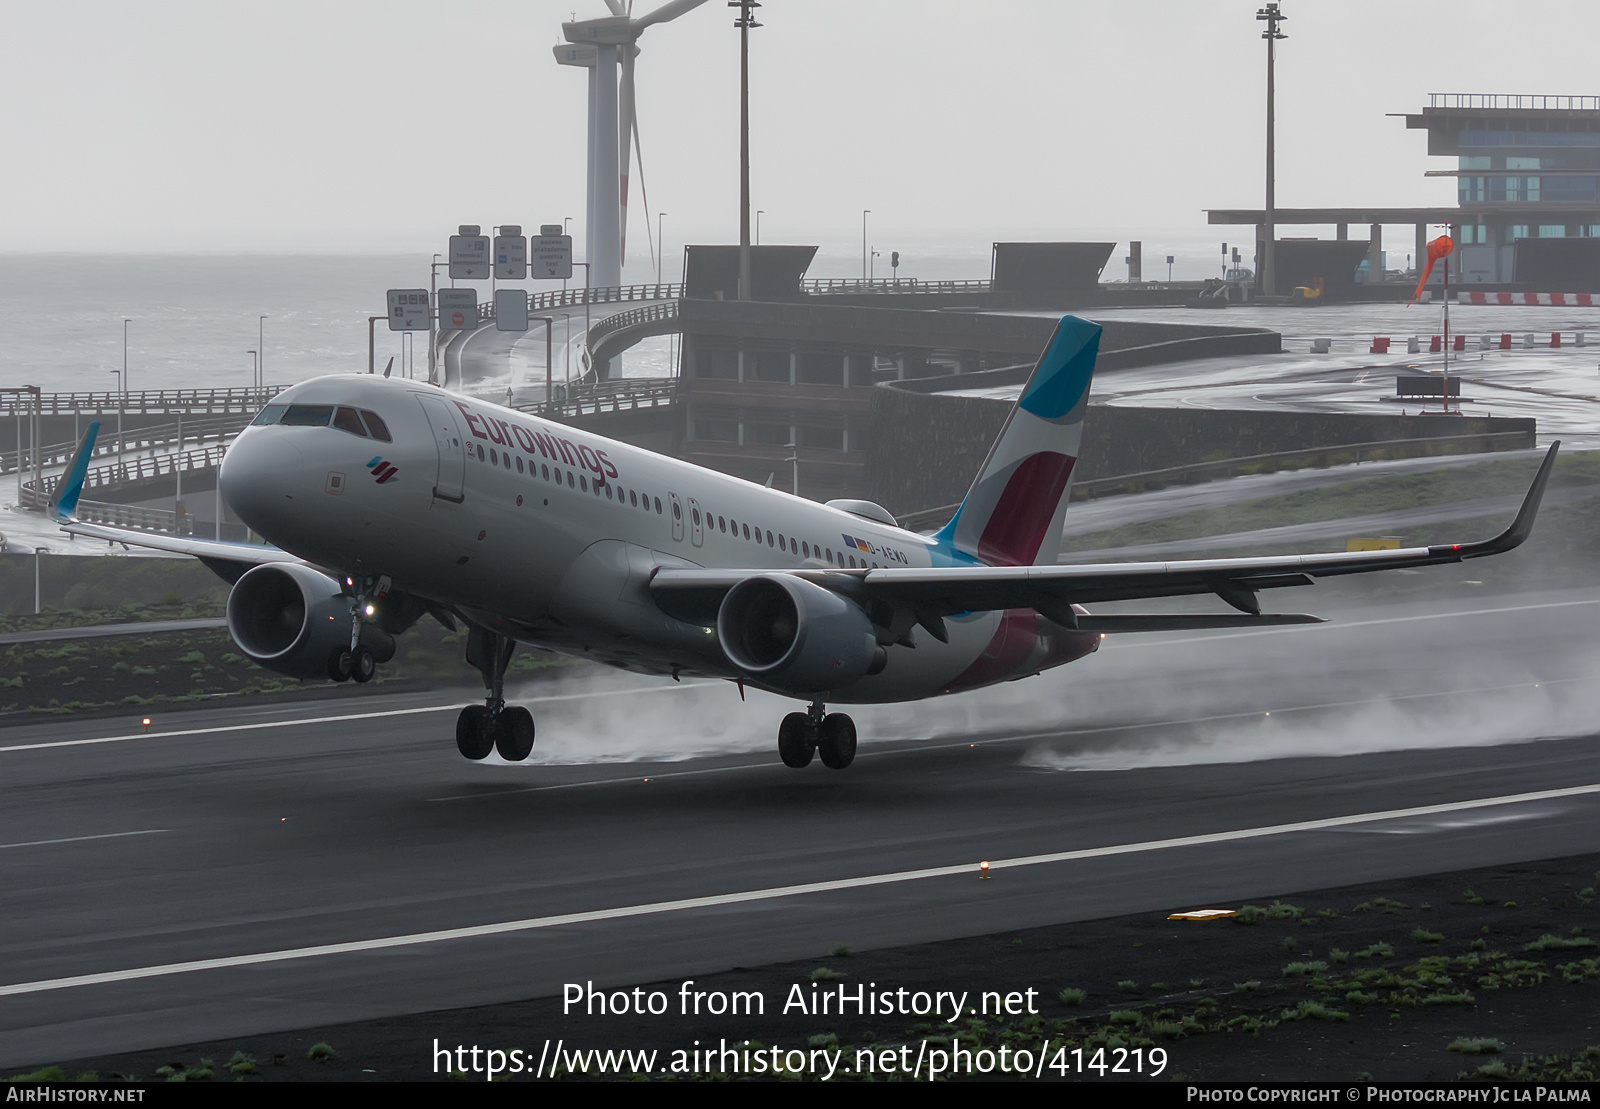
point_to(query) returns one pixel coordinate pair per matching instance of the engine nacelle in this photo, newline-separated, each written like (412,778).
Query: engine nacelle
(291,619)
(797,636)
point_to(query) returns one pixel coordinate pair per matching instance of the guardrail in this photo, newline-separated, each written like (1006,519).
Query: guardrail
(1341,454)
(617,321)
(130,470)
(248,400)
(1500,101)
(826,285)
(154,437)
(164,520)
(620,395)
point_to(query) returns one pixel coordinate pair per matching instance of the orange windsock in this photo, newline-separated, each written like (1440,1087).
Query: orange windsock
(1437,249)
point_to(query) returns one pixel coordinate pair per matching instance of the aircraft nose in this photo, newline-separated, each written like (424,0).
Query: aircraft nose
(259,477)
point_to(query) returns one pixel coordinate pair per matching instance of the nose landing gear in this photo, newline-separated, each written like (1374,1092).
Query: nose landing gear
(817,732)
(493,725)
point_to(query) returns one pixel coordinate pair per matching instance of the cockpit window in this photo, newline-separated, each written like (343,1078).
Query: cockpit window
(307,415)
(379,429)
(354,421)
(346,419)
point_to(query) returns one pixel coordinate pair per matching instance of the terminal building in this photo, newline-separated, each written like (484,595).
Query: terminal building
(1527,213)
(1527,168)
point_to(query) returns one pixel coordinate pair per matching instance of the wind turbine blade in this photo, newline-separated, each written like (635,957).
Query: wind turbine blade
(668,11)
(617,8)
(643,195)
(626,125)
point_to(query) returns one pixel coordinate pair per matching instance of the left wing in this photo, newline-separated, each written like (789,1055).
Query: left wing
(936,592)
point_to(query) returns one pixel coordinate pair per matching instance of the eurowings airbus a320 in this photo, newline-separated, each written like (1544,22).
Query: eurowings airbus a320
(385,501)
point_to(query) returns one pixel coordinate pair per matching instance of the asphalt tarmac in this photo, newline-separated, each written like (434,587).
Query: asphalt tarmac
(263,868)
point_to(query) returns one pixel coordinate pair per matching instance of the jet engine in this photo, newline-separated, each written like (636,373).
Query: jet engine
(292,619)
(793,635)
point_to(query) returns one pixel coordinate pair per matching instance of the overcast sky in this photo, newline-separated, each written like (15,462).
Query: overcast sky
(291,126)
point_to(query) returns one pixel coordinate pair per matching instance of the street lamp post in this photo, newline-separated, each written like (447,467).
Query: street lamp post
(566,319)
(255,368)
(121,399)
(261,345)
(549,352)
(1269,262)
(794,459)
(661,246)
(745,22)
(37,551)
(759,211)
(585,266)
(433,317)
(864,213)
(122,382)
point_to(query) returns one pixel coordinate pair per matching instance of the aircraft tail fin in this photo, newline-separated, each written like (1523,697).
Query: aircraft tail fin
(64,501)
(1013,513)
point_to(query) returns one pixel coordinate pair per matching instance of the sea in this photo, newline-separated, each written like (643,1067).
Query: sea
(190,320)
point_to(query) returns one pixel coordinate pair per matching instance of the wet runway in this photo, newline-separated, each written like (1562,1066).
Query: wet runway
(260,868)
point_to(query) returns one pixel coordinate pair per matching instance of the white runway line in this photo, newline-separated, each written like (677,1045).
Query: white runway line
(220,728)
(778,892)
(81,839)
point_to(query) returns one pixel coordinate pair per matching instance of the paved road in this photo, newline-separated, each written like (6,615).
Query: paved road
(230,835)
(96,631)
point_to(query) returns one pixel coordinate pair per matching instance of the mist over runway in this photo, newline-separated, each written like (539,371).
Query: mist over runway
(659,817)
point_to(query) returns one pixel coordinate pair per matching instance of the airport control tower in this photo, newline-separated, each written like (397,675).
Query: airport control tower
(1528,182)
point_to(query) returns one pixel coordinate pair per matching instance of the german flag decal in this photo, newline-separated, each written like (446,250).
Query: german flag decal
(383,471)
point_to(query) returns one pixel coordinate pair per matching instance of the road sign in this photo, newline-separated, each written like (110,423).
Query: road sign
(511,255)
(552,229)
(409,310)
(469,257)
(551,257)
(510,310)
(458,309)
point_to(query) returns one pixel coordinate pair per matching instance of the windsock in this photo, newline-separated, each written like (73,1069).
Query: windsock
(1437,249)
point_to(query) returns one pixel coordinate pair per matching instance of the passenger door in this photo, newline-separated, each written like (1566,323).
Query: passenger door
(446,426)
(696,536)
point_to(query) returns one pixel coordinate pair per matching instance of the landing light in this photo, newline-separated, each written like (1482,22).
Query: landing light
(372,609)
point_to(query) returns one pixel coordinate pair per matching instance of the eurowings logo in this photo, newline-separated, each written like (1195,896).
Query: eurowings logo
(382,470)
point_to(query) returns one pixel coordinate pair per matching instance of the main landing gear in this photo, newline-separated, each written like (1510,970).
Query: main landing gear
(817,732)
(493,725)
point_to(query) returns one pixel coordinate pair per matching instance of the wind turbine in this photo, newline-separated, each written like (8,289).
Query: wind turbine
(600,45)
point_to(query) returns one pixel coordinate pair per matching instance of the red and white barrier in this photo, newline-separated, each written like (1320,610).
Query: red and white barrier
(1380,343)
(1547,300)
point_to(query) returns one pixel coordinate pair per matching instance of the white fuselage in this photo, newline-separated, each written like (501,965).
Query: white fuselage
(550,535)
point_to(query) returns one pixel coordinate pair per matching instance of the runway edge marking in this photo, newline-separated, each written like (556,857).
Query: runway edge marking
(774,893)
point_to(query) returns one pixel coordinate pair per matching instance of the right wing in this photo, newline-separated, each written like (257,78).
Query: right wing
(936,592)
